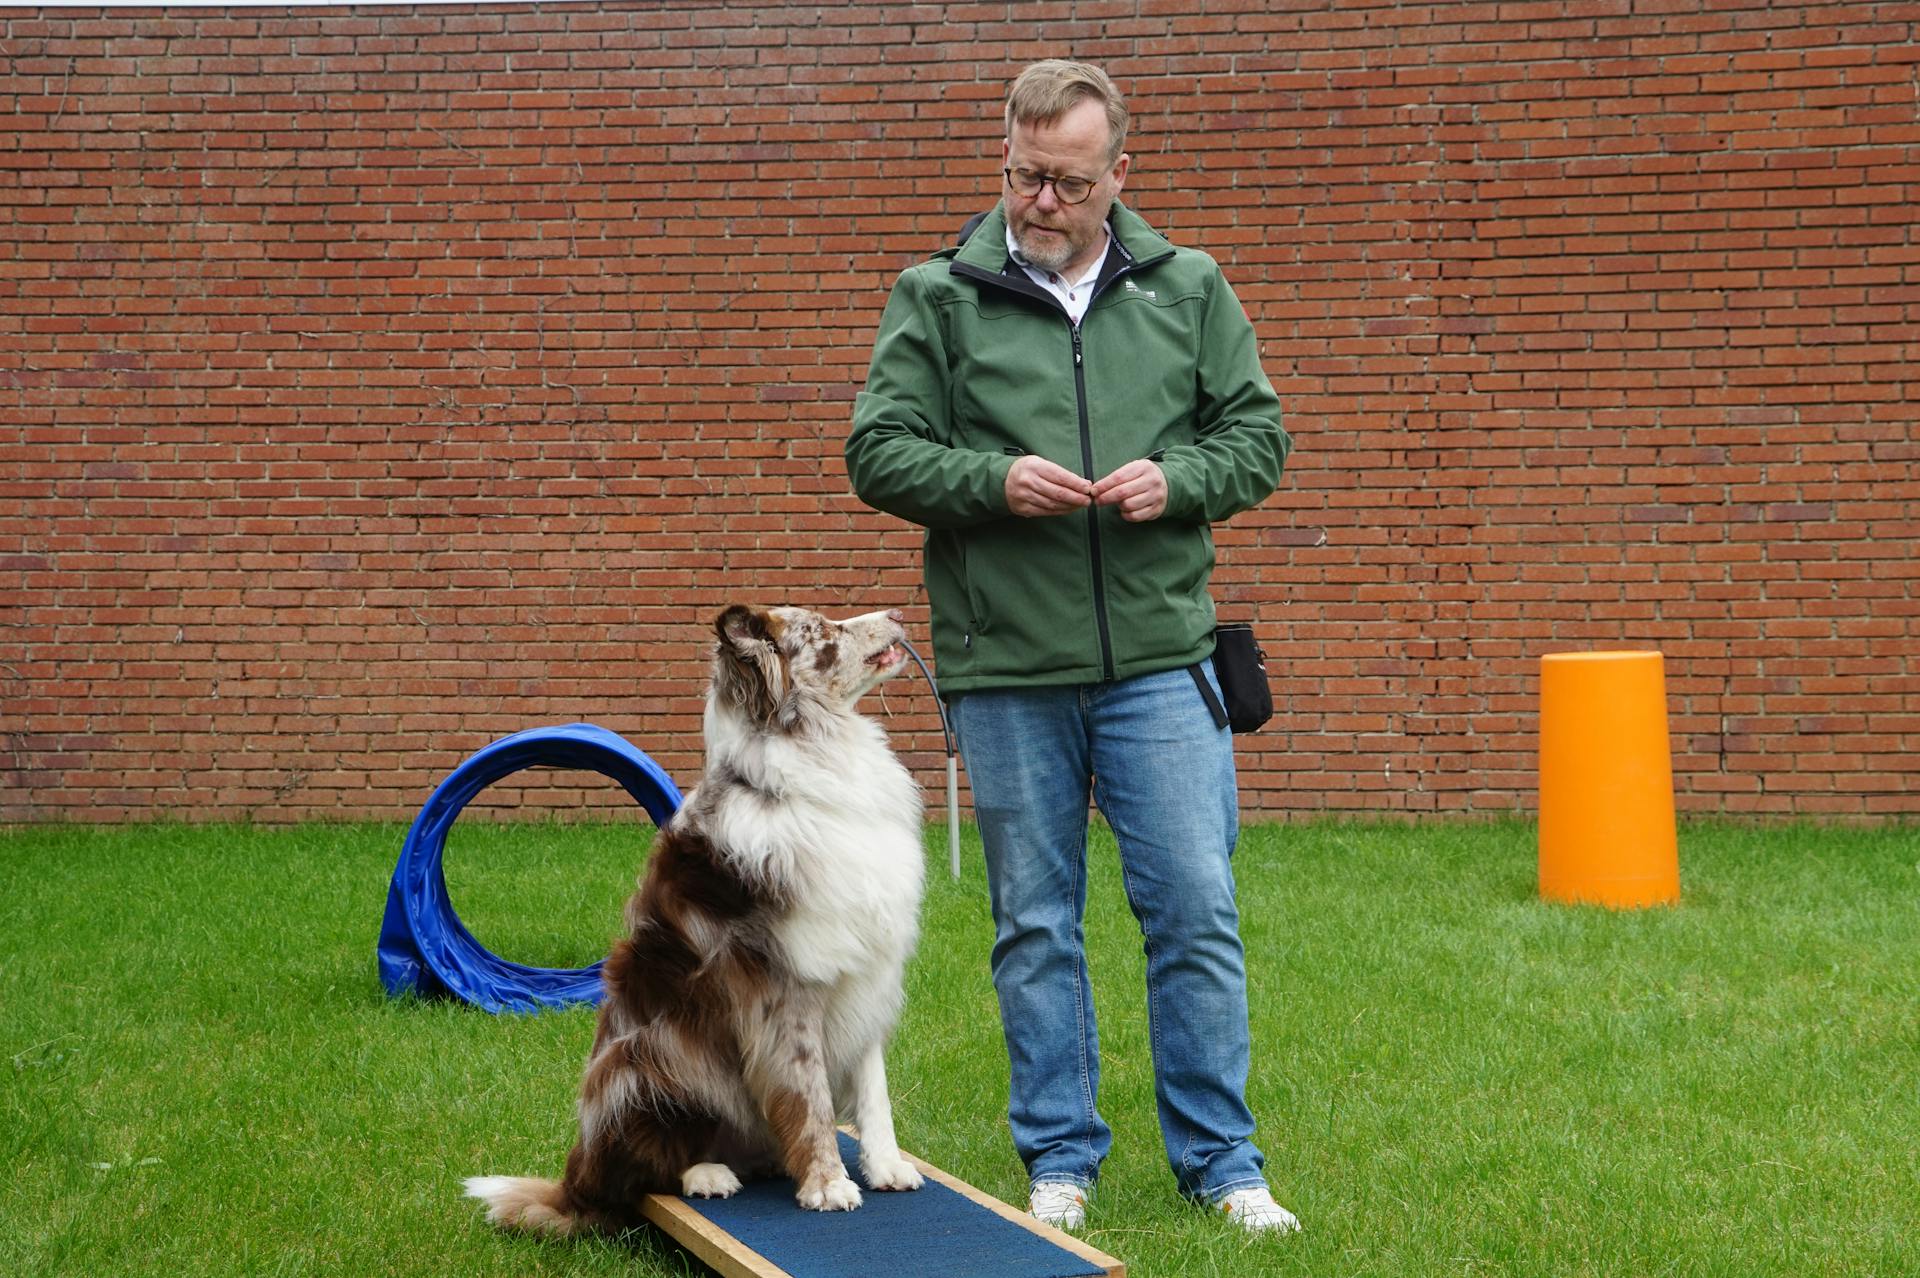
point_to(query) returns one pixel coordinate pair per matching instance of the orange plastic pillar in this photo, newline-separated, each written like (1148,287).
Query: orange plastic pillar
(1606,781)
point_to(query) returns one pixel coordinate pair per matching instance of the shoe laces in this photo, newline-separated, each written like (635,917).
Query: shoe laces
(1060,1202)
(1254,1209)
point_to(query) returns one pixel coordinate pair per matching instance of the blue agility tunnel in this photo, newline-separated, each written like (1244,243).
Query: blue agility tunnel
(424,949)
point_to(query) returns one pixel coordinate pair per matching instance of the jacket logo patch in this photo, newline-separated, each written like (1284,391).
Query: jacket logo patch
(1144,292)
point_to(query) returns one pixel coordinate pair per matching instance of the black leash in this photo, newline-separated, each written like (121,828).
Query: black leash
(953,773)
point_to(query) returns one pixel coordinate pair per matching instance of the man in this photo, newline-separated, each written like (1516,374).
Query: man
(1066,402)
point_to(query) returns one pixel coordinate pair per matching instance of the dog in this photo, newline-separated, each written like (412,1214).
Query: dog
(749,1003)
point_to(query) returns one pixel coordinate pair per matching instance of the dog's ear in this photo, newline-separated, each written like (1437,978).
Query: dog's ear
(749,671)
(739,624)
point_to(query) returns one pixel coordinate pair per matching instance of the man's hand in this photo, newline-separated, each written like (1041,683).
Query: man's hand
(1035,486)
(1139,488)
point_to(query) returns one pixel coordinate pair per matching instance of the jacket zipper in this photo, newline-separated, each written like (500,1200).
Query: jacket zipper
(1093,511)
(1028,289)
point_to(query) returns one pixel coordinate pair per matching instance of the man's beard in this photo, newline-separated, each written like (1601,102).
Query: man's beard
(1051,254)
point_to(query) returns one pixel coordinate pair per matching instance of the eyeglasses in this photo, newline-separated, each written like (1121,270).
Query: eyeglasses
(1068,190)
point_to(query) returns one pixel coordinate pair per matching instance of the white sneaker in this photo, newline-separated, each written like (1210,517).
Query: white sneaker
(1059,1203)
(1255,1211)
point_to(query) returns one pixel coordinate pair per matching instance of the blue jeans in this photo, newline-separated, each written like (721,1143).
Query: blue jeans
(1162,775)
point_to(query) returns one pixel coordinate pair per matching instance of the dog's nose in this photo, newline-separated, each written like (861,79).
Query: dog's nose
(894,614)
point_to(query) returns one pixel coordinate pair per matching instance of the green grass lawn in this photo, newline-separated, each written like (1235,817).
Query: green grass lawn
(202,1075)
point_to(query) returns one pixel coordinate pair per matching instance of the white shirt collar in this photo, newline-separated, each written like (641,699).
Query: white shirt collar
(1074,295)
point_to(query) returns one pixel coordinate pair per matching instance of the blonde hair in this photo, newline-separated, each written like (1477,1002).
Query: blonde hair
(1047,90)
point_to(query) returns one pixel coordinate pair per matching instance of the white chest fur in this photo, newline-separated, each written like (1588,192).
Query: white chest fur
(831,822)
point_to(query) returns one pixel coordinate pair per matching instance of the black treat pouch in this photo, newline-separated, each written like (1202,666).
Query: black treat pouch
(1245,702)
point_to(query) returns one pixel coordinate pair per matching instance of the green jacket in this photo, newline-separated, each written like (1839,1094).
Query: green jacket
(974,364)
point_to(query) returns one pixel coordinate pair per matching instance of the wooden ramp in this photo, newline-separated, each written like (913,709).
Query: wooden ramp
(946,1229)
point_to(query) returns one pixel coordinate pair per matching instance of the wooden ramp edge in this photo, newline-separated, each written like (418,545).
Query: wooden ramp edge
(731,1258)
(718,1250)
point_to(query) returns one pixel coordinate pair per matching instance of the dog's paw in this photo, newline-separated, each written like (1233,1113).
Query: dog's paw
(890,1171)
(709,1180)
(838,1194)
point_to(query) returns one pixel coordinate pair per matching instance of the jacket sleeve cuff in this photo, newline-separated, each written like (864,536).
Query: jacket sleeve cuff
(1183,488)
(997,469)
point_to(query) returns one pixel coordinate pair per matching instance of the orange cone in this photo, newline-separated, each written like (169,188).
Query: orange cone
(1606,781)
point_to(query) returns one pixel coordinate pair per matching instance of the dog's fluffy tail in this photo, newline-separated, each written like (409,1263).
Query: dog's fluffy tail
(527,1202)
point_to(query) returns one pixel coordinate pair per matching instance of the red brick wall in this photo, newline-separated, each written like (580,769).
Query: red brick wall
(374,382)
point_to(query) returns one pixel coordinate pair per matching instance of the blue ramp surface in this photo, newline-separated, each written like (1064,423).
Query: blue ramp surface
(932,1232)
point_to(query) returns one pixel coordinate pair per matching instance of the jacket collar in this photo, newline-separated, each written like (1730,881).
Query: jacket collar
(1136,243)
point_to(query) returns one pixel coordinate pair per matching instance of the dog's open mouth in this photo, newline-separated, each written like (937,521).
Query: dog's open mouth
(891,655)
